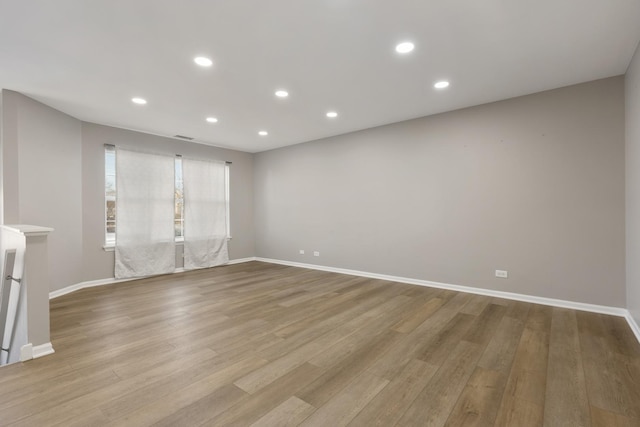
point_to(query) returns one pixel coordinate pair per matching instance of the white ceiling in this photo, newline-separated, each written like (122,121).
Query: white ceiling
(89,58)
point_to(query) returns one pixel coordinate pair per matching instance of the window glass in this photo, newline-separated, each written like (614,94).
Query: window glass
(179,197)
(110,192)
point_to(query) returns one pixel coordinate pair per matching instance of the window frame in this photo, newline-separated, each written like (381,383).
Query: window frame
(178,160)
(110,239)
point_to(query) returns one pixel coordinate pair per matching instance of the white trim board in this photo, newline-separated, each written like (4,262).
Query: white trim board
(43,350)
(111,280)
(594,308)
(633,325)
(29,351)
(82,285)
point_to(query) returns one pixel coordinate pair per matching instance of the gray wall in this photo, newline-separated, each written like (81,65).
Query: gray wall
(632,97)
(1,161)
(53,175)
(42,179)
(533,185)
(98,263)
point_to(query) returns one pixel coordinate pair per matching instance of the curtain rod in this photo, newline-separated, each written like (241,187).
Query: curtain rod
(177,155)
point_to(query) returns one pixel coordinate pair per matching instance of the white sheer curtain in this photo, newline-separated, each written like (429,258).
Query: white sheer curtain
(205,214)
(145,241)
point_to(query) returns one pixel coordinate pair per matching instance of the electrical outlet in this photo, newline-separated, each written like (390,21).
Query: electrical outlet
(301,251)
(503,274)
(316,253)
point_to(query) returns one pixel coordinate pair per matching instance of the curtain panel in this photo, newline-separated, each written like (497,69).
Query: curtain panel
(145,241)
(205,213)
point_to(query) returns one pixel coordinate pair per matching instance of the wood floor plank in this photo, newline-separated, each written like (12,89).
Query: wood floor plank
(475,305)
(21,378)
(518,310)
(411,321)
(150,386)
(437,349)
(524,394)
(566,394)
(603,418)
(499,354)
(486,322)
(346,404)
(349,315)
(45,400)
(606,374)
(265,344)
(73,408)
(215,402)
(433,405)
(620,337)
(253,407)
(91,418)
(202,396)
(376,326)
(267,374)
(515,411)
(480,399)
(264,376)
(289,413)
(395,359)
(357,288)
(392,402)
(340,374)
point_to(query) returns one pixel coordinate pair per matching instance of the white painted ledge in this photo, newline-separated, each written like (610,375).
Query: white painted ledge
(29,230)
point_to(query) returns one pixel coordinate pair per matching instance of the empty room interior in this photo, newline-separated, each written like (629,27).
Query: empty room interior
(327,213)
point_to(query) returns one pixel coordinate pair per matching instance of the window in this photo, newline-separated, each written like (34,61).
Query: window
(178,217)
(110,193)
(110,197)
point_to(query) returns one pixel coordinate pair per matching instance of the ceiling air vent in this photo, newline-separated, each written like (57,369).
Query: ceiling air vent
(187,138)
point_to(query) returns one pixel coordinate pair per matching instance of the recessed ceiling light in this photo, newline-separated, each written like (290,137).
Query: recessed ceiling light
(263,133)
(139,101)
(332,114)
(405,47)
(203,61)
(282,93)
(212,120)
(441,84)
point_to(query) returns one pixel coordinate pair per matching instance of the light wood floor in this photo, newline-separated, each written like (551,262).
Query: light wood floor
(266,345)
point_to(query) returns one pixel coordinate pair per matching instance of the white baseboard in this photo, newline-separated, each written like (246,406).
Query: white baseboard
(82,285)
(603,309)
(633,325)
(29,351)
(42,350)
(26,352)
(241,260)
(111,280)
